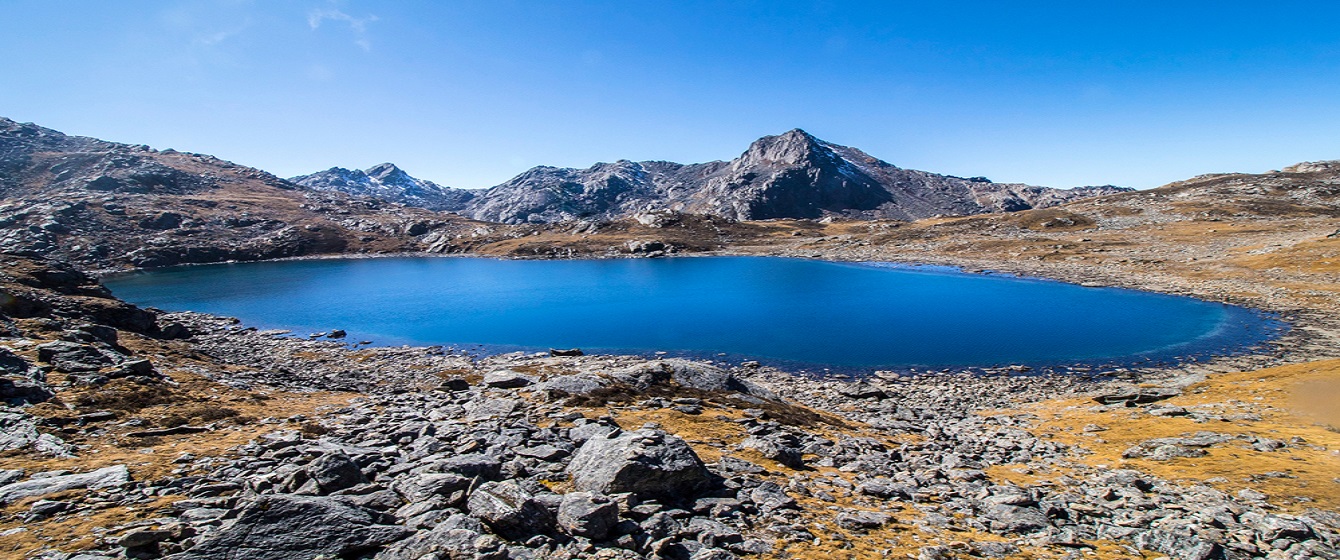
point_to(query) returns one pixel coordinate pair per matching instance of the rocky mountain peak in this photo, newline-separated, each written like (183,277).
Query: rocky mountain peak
(389,173)
(794,147)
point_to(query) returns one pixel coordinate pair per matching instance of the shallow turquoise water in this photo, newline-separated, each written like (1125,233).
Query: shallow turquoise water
(785,311)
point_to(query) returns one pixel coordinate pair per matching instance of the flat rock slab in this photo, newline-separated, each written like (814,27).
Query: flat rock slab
(490,409)
(101,478)
(507,379)
(1144,395)
(855,520)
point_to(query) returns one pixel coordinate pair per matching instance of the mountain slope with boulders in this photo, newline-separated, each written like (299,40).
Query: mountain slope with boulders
(104,204)
(792,175)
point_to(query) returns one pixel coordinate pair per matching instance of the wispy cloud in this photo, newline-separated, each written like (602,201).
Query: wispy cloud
(209,39)
(356,24)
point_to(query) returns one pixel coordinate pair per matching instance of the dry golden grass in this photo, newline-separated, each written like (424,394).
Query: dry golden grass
(194,400)
(1291,401)
(1316,256)
(73,532)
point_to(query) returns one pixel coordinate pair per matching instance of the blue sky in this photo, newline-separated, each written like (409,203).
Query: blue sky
(469,94)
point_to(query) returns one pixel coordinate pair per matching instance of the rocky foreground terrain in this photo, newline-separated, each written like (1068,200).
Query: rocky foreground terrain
(134,433)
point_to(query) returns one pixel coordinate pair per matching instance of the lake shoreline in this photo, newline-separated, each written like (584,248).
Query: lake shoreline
(1194,350)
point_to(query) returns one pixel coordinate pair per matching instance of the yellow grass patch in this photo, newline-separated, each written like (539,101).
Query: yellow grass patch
(1291,401)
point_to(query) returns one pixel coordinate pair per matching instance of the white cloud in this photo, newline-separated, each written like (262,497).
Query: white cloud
(358,25)
(211,39)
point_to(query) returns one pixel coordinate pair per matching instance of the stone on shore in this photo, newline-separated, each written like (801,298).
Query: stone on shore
(644,462)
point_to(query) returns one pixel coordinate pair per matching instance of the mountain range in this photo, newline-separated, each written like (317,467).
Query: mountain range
(105,205)
(791,175)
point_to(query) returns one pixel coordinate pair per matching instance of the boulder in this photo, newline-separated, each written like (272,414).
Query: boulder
(776,450)
(1273,527)
(143,537)
(459,537)
(510,511)
(507,379)
(1132,397)
(854,520)
(335,471)
(101,478)
(689,374)
(285,526)
(422,487)
(130,368)
(472,465)
(19,431)
(488,409)
(645,463)
(576,384)
(584,514)
(1016,519)
(22,391)
(769,497)
(71,357)
(861,390)
(12,363)
(174,330)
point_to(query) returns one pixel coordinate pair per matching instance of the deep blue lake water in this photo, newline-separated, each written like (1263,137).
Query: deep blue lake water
(790,312)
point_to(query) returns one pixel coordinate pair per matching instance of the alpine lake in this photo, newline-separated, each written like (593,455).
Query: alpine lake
(800,314)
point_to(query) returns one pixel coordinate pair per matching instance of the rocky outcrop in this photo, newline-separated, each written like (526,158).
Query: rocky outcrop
(390,183)
(792,175)
(281,527)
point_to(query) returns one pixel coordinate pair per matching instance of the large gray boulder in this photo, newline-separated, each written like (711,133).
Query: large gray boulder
(1016,519)
(423,487)
(71,357)
(687,373)
(508,379)
(510,511)
(645,462)
(285,527)
(459,537)
(588,515)
(101,478)
(335,471)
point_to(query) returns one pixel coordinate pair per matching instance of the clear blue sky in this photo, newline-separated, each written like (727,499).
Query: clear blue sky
(469,93)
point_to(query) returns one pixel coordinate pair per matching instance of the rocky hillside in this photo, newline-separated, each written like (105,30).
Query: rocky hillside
(1308,189)
(390,183)
(793,175)
(103,204)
